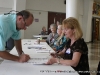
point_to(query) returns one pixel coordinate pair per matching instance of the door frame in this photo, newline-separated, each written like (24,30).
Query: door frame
(53,17)
(94,29)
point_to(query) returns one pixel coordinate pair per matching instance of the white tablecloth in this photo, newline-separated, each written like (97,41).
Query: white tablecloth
(34,66)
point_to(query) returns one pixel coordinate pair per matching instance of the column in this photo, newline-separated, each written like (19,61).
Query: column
(87,19)
(72,8)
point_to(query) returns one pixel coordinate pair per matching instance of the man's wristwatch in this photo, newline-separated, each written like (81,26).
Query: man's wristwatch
(59,59)
(21,53)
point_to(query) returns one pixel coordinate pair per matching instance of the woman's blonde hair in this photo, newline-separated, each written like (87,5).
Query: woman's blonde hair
(73,23)
(62,34)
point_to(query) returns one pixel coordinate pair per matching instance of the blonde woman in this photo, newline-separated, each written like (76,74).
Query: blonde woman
(60,42)
(76,52)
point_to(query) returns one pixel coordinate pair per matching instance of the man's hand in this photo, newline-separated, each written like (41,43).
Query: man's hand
(24,58)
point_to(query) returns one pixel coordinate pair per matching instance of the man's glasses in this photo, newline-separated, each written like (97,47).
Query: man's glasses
(24,22)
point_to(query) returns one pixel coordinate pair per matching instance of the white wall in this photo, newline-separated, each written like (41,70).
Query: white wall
(19,5)
(36,27)
(6,3)
(5,6)
(40,9)
(46,5)
(4,10)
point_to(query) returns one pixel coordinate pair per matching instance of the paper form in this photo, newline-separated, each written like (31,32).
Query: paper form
(37,61)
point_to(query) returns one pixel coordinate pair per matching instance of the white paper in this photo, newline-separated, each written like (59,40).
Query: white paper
(37,61)
(43,51)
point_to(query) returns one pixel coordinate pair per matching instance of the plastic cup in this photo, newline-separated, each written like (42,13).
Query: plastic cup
(38,41)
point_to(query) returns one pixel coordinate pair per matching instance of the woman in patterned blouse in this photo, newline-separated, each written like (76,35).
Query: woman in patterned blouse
(60,42)
(76,52)
(53,35)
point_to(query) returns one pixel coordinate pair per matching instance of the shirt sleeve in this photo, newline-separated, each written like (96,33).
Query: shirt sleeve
(62,45)
(16,35)
(2,44)
(3,31)
(81,47)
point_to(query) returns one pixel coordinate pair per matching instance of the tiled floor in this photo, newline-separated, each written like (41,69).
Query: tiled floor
(94,56)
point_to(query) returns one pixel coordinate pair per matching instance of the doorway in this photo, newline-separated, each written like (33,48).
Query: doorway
(95,29)
(55,18)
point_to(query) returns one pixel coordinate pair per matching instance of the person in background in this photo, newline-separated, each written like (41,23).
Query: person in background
(44,32)
(10,26)
(60,42)
(52,36)
(57,23)
(75,53)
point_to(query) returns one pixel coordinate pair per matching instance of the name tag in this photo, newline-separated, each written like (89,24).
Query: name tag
(68,51)
(53,39)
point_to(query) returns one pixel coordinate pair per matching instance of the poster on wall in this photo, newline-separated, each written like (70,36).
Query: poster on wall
(96,9)
(36,20)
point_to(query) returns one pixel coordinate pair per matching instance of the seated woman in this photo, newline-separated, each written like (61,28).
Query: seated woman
(52,36)
(75,53)
(44,32)
(60,42)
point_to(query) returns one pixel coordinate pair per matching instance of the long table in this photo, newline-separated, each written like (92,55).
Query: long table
(39,53)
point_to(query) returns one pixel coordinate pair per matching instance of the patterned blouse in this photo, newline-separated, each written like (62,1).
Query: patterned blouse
(78,46)
(60,43)
(51,39)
